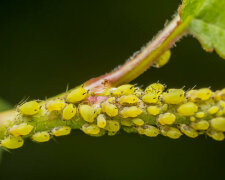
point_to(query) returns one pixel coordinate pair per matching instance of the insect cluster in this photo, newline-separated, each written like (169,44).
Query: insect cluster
(149,112)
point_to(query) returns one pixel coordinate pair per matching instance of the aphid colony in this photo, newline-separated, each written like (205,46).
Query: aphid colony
(149,112)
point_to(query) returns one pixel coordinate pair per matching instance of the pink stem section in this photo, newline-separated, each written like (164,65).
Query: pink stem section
(139,63)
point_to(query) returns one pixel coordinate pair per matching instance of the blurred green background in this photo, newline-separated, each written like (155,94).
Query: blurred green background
(47,45)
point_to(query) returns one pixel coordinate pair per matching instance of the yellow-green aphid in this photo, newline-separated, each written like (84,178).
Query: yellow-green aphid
(69,112)
(192,118)
(166,118)
(216,135)
(138,92)
(192,95)
(174,96)
(151,131)
(112,125)
(188,131)
(132,111)
(125,89)
(204,94)
(88,113)
(218,124)
(222,104)
(164,107)
(55,105)
(187,109)
(138,121)
(21,129)
(110,109)
(41,136)
(77,95)
(163,59)
(153,110)
(12,142)
(200,125)
(200,114)
(140,130)
(219,95)
(150,98)
(126,122)
(128,99)
(91,129)
(101,121)
(112,100)
(61,131)
(155,88)
(213,110)
(170,132)
(29,108)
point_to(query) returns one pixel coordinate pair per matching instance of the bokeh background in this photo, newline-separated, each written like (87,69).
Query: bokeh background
(46,46)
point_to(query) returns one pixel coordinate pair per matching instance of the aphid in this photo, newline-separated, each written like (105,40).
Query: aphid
(200,114)
(41,136)
(106,92)
(153,110)
(128,99)
(21,129)
(29,108)
(101,121)
(138,121)
(216,135)
(163,59)
(12,142)
(140,130)
(188,131)
(138,92)
(61,131)
(200,125)
(126,122)
(125,89)
(166,118)
(170,132)
(204,94)
(110,109)
(187,109)
(112,125)
(174,96)
(164,107)
(151,131)
(88,113)
(156,88)
(222,104)
(219,95)
(55,105)
(216,96)
(192,95)
(192,118)
(220,113)
(201,94)
(132,111)
(69,112)
(213,110)
(218,124)
(150,98)
(77,95)
(112,100)
(91,129)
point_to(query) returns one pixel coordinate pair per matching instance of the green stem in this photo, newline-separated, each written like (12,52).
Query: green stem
(132,68)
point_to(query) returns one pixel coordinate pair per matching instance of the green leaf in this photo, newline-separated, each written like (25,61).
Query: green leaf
(207,22)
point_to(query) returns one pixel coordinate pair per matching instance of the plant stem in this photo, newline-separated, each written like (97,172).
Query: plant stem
(134,67)
(141,61)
